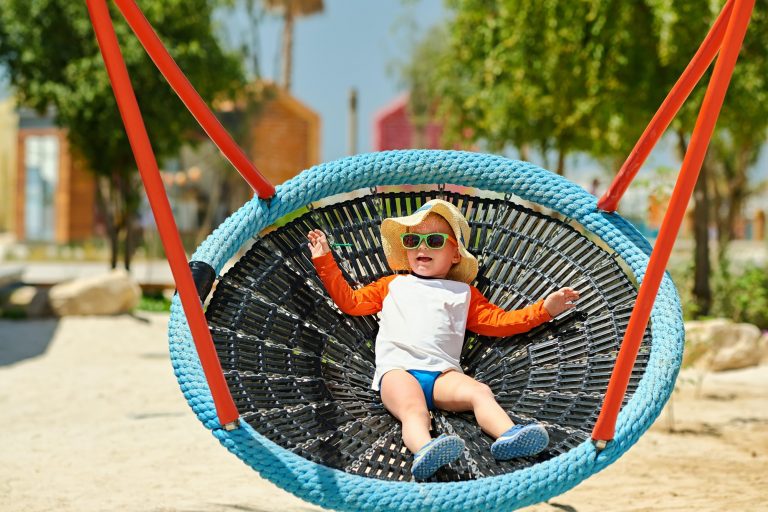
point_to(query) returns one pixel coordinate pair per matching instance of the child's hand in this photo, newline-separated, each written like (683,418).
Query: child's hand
(560,301)
(318,243)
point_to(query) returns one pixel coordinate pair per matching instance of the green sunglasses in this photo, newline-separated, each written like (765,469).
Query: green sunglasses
(433,240)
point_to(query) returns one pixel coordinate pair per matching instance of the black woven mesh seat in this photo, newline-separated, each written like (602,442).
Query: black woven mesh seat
(300,370)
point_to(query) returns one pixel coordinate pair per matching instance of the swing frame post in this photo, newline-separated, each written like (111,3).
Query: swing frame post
(702,133)
(145,159)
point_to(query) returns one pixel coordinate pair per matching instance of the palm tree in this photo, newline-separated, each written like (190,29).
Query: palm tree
(291,9)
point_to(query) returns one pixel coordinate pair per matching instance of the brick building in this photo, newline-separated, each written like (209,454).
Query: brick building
(285,138)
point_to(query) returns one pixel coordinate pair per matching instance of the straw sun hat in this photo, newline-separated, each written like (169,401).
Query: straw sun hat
(391,229)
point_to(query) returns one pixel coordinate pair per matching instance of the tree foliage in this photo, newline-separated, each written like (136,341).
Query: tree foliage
(50,51)
(547,75)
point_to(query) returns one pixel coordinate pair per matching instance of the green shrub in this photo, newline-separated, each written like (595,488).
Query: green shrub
(742,297)
(12,314)
(154,302)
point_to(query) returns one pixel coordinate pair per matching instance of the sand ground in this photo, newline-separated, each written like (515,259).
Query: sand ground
(92,420)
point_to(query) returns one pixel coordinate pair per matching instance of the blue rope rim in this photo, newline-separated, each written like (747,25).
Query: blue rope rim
(335,489)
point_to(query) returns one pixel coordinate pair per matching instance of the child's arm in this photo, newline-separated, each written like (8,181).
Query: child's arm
(490,320)
(363,301)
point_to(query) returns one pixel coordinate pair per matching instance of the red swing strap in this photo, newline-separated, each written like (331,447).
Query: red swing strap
(735,17)
(150,175)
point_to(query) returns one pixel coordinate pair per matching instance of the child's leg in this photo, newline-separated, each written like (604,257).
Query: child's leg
(402,396)
(457,392)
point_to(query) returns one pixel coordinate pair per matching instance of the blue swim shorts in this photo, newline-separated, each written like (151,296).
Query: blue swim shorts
(427,382)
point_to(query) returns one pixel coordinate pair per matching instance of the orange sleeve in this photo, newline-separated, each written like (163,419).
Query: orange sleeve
(363,301)
(490,320)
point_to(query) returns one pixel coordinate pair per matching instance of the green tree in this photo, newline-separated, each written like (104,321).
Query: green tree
(680,28)
(745,128)
(547,75)
(50,51)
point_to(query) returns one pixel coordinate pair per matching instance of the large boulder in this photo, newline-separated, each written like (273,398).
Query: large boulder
(10,275)
(31,301)
(763,344)
(107,294)
(721,344)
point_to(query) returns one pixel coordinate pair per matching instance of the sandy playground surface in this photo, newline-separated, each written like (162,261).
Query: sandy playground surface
(93,419)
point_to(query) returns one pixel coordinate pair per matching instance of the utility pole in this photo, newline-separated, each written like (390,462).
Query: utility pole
(352,139)
(287,46)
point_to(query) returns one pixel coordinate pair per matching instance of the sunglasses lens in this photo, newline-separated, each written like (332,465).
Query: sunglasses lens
(411,241)
(435,241)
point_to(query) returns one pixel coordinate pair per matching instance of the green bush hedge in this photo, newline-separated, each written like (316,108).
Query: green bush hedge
(742,297)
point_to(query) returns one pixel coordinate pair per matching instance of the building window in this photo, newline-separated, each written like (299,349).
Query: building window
(41,161)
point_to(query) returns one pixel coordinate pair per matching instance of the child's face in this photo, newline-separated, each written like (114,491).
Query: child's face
(433,262)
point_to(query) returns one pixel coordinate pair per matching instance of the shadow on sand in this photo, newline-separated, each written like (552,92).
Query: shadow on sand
(25,339)
(561,506)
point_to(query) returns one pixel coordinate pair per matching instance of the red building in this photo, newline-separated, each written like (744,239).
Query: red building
(393,129)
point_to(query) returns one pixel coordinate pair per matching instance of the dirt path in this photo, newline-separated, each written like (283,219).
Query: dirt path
(93,420)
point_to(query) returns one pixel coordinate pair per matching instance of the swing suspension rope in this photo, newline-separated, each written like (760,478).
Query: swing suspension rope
(725,38)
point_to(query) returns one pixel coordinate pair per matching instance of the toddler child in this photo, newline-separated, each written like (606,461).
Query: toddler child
(423,317)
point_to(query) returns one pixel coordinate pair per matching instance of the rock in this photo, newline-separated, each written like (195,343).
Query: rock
(32,301)
(108,294)
(742,351)
(10,275)
(721,344)
(700,339)
(763,344)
